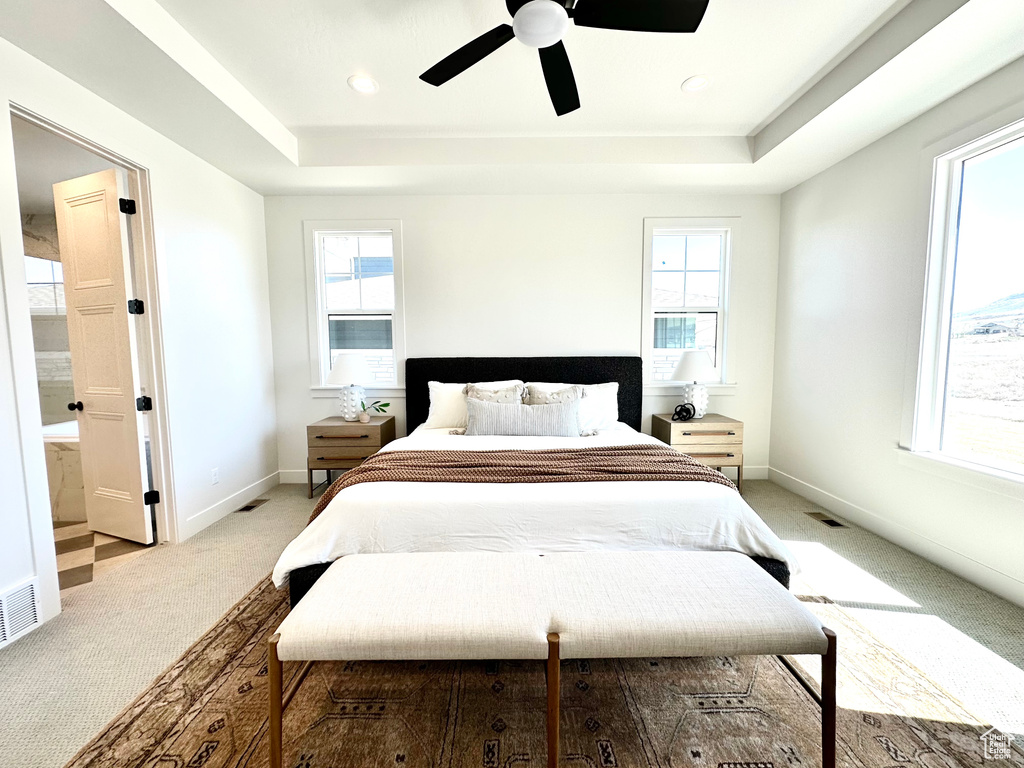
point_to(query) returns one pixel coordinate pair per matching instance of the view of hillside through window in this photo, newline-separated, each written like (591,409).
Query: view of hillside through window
(983,418)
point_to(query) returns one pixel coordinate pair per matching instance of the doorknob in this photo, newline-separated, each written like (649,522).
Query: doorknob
(76,406)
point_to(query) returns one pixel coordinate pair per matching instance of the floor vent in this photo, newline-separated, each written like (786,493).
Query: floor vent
(252,505)
(18,612)
(822,518)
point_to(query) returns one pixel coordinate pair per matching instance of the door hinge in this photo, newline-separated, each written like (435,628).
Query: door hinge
(126,205)
(151,497)
(144,403)
(136,307)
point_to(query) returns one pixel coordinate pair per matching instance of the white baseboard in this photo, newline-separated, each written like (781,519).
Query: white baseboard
(968,568)
(212,514)
(755,473)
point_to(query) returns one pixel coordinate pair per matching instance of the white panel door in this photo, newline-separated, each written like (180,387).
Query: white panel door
(93,237)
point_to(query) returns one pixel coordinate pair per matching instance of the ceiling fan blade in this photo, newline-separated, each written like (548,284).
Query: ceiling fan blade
(514,5)
(641,15)
(468,55)
(560,79)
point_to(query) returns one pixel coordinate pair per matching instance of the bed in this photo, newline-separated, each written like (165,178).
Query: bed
(516,517)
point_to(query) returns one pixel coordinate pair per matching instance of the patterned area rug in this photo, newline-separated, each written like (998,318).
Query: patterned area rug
(210,709)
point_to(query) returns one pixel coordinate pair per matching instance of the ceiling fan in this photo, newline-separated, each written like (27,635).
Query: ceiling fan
(543,23)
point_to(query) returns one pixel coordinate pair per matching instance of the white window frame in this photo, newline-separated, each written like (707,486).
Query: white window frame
(947,177)
(686,226)
(319,336)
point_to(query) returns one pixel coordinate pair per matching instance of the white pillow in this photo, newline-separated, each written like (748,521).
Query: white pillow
(448,402)
(599,408)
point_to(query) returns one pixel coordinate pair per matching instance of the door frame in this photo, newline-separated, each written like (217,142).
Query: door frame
(148,326)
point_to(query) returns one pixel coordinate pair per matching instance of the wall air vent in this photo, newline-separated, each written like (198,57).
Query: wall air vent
(19,612)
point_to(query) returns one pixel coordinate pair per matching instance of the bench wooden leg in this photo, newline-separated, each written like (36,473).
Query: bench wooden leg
(276,701)
(554,674)
(828,701)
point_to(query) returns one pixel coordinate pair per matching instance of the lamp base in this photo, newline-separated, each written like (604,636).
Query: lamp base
(350,399)
(697,396)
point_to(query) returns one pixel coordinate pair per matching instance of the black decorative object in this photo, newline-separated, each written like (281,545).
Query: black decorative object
(684,412)
(542,26)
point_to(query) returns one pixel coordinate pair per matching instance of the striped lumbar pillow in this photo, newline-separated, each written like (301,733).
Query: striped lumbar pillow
(555,420)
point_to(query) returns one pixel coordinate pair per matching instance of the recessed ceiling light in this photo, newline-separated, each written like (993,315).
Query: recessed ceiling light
(696,83)
(363,84)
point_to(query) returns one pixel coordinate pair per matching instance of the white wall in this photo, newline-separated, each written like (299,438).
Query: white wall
(526,275)
(851,288)
(212,281)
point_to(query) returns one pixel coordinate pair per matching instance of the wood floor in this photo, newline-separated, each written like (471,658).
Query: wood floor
(83,556)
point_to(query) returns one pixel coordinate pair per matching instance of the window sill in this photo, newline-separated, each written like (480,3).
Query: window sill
(672,388)
(979,476)
(388,390)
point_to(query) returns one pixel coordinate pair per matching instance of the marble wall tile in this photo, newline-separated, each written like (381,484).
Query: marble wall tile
(39,233)
(67,487)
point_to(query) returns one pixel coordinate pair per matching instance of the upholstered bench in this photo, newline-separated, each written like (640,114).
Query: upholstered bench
(469,605)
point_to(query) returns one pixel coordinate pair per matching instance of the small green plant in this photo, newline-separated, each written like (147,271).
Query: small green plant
(375,407)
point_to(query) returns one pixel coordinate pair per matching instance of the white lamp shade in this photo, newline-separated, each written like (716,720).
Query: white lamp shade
(348,369)
(694,365)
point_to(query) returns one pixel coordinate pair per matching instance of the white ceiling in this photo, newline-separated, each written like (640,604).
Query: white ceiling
(258,89)
(295,57)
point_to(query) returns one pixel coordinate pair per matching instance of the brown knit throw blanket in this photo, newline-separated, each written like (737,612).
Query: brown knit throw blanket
(558,465)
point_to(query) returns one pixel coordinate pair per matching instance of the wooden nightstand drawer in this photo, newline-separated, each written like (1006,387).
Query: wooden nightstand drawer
(319,452)
(686,435)
(326,463)
(698,432)
(342,434)
(714,455)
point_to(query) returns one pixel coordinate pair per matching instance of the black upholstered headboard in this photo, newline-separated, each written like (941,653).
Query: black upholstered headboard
(628,371)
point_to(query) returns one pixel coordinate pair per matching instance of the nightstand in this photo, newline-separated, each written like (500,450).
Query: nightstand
(715,440)
(338,444)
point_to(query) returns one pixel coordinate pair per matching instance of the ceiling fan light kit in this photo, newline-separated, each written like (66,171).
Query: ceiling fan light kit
(542,24)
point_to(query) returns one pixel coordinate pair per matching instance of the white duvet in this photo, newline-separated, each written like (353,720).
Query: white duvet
(529,517)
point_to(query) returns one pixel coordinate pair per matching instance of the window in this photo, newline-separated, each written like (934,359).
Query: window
(45,281)
(684,294)
(356,287)
(971,380)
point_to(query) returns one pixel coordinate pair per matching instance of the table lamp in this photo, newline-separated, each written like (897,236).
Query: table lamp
(348,371)
(694,367)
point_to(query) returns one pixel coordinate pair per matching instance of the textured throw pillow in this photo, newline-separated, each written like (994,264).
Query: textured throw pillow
(513,394)
(544,395)
(599,406)
(556,420)
(448,402)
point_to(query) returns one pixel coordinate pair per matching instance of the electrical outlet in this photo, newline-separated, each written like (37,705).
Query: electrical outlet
(214,476)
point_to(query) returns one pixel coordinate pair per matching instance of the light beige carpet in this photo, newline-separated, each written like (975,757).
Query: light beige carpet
(209,709)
